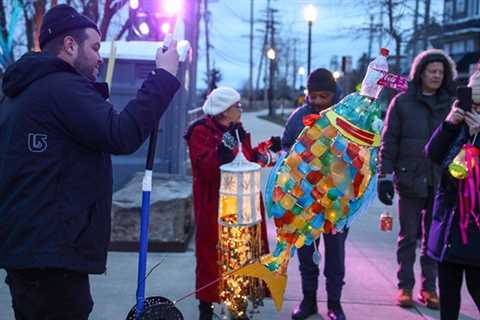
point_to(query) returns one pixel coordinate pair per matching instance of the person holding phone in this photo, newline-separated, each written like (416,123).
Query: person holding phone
(456,248)
(403,168)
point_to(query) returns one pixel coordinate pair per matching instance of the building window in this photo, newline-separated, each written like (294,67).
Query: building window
(448,11)
(460,7)
(470,47)
(458,47)
(446,48)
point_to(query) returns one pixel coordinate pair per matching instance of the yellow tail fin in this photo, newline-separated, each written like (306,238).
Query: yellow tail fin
(276,282)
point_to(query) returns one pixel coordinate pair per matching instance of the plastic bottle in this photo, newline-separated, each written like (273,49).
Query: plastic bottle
(370,87)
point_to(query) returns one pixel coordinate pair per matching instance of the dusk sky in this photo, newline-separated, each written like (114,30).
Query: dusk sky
(332,34)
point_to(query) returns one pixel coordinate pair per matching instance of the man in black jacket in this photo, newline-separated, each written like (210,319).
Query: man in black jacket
(57,132)
(410,121)
(323,92)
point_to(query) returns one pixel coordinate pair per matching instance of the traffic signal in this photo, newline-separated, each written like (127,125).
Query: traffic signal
(150,20)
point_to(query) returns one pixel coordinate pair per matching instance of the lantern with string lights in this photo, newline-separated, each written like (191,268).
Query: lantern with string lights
(239,220)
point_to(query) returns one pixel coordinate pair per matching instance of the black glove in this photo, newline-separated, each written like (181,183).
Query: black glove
(276,144)
(241,131)
(225,154)
(385,189)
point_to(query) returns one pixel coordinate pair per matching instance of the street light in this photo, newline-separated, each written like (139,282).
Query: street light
(271,54)
(310,15)
(301,73)
(337,75)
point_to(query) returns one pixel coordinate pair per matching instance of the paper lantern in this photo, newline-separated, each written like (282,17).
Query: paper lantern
(239,242)
(239,193)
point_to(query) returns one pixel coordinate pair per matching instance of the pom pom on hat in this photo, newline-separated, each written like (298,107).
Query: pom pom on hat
(220,100)
(474,83)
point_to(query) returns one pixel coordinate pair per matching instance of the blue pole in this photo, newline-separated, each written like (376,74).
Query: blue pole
(142,261)
(146,190)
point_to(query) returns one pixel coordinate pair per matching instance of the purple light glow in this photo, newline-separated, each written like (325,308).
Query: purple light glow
(172,7)
(165,27)
(134,4)
(144,29)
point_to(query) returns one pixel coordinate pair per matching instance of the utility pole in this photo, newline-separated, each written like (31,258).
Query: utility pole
(380,34)
(264,52)
(271,81)
(206,18)
(250,79)
(287,60)
(370,37)
(295,66)
(426,24)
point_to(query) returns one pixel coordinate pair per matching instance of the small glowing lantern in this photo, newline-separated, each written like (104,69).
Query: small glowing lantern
(239,193)
(239,242)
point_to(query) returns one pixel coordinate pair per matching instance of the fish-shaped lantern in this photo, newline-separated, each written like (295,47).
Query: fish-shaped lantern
(321,184)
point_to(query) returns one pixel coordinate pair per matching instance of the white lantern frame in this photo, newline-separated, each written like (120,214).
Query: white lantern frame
(240,192)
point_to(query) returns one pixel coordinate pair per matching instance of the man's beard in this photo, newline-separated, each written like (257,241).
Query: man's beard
(82,68)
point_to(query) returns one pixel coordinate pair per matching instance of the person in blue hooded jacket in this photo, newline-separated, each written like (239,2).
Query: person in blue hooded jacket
(57,131)
(323,92)
(453,245)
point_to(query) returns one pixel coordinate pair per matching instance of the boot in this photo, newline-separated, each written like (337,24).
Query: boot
(206,310)
(335,311)
(307,307)
(404,298)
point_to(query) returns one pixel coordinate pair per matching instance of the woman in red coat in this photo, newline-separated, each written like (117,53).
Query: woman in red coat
(212,142)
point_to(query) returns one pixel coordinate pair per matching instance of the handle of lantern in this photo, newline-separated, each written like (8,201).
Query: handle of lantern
(239,142)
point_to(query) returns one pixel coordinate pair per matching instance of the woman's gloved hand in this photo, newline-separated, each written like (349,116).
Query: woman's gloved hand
(276,144)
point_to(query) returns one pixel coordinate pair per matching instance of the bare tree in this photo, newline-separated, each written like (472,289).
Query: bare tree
(7,32)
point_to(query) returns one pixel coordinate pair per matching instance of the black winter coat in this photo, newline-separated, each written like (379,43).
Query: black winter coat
(444,243)
(410,121)
(57,132)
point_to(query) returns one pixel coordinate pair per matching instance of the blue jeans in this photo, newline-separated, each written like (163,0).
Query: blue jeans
(53,294)
(334,269)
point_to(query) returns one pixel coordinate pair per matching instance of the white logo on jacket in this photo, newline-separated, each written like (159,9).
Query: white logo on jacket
(37,142)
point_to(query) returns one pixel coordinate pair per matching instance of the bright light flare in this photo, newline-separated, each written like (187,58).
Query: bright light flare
(144,28)
(165,27)
(134,4)
(337,75)
(301,71)
(172,7)
(310,13)
(271,54)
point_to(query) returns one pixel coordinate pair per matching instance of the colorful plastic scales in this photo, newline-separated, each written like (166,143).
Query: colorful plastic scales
(323,182)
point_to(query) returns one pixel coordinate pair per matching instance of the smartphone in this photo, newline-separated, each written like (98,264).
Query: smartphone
(464,96)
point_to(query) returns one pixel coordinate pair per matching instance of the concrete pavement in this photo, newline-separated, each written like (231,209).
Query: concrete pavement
(369,292)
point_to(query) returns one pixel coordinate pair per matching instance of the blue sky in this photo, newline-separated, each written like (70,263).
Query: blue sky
(333,33)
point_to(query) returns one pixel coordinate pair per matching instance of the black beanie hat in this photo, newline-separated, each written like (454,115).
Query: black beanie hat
(321,80)
(60,19)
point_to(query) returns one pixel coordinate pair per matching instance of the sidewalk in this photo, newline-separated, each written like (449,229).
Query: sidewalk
(369,292)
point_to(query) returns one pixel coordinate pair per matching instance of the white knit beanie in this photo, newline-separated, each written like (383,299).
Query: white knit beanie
(220,100)
(474,83)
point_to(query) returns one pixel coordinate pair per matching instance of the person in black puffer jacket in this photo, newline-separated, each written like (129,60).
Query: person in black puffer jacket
(455,255)
(411,118)
(57,131)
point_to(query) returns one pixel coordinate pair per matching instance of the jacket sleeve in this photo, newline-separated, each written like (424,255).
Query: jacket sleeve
(439,144)
(293,127)
(390,139)
(93,122)
(203,150)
